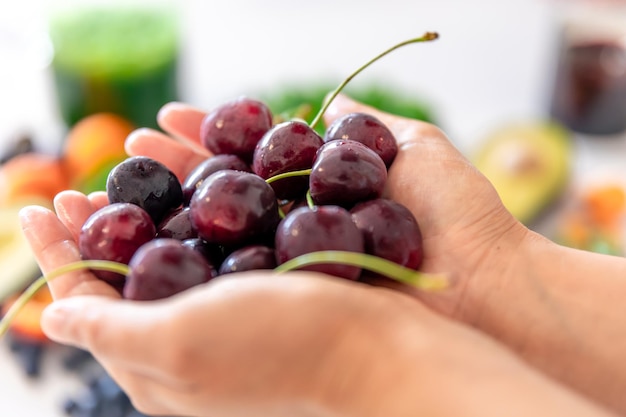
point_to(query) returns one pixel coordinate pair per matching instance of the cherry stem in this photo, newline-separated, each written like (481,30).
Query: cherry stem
(428,36)
(392,270)
(299,173)
(32,289)
(309,200)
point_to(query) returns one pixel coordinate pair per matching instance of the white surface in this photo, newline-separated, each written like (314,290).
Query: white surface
(492,65)
(21,396)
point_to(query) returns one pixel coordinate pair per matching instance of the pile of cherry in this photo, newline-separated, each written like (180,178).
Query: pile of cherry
(269,194)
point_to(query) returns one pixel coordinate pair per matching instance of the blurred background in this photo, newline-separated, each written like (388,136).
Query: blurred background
(532,91)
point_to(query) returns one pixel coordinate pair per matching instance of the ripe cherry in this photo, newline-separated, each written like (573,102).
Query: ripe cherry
(236,127)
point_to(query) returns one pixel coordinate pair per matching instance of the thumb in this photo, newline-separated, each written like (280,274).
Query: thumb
(342,105)
(404,129)
(114,329)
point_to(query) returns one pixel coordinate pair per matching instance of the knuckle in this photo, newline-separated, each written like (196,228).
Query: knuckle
(92,329)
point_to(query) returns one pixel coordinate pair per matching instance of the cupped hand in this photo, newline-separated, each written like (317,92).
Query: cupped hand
(303,343)
(467,231)
(468,234)
(246,344)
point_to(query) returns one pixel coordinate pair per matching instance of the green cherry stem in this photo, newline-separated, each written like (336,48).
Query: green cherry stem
(299,173)
(309,200)
(428,36)
(392,270)
(32,289)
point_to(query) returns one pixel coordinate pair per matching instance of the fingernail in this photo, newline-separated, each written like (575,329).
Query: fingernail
(168,109)
(25,214)
(27,217)
(134,136)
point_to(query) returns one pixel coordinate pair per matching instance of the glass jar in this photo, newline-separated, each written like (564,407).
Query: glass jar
(119,57)
(589,91)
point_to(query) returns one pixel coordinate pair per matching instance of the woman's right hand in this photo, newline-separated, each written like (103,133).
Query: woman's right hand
(468,233)
(560,309)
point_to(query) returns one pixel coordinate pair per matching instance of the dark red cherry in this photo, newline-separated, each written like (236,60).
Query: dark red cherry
(236,127)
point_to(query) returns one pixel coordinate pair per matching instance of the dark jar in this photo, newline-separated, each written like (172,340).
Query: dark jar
(589,92)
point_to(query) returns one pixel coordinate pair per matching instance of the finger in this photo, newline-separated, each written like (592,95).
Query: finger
(54,246)
(73,209)
(404,129)
(119,332)
(183,122)
(179,158)
(98,199)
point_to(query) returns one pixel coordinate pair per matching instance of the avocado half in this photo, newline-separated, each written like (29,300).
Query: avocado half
(17,261)
(528,164)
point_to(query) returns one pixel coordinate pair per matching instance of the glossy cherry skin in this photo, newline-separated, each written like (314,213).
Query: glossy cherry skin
(147,183)
(322,228)
(368,130)
(234,208)
(289,146)
(249,258)
(114,233)
(164,267)
(390,231)
(346,172)
(177,225)
(236,127)
(207,167)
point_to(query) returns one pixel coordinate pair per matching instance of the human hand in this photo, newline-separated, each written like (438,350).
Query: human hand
(83,320)
(554,306)
(468,234)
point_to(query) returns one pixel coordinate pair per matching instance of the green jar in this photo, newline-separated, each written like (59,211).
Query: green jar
(118,59)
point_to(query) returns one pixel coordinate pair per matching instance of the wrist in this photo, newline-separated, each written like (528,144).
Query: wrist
(503,261)
(557,308)
(477,277)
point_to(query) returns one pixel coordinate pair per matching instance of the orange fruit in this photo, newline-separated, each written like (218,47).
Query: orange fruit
(27,322)
(31,176)
(94,142)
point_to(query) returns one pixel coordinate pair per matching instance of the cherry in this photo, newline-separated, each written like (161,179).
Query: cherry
(249,258)
(207,167)
(233,208)
(390,231)
(346,172)
(289,146)
(164,267)
(212,253)
(368,130)
(236,127)
(114,233)
(321,228)
(177,225)
(147,183)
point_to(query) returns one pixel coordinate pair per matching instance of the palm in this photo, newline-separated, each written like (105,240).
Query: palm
(459,212)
